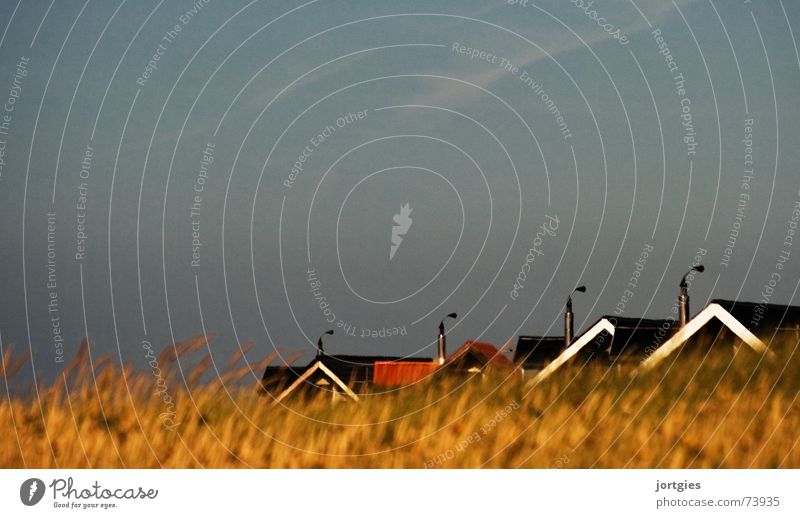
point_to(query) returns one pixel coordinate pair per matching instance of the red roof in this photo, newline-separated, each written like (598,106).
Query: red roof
(393,373)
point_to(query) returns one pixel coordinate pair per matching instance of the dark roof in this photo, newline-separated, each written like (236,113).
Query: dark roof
(283,370)
(634,338)
(532,352)
(637,323)
(278,377)
(762,319)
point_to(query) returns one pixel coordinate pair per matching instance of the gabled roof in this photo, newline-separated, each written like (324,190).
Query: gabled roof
(762,319)
(477,353)
(321,369)
(602,325)
(713,310)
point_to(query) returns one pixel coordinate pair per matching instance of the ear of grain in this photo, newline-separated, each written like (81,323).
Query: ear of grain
(698,410)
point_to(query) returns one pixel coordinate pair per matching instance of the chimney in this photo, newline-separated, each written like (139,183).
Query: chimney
(442,344)
(568,330)
(683,303)
(442,340)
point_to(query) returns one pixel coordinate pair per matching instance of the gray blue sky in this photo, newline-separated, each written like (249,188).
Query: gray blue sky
(655,160)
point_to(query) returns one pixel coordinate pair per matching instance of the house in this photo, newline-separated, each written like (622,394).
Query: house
(614,340)
(347,375)
(332,372)
(318,376)
(577,346)
(717,324)
(775,324)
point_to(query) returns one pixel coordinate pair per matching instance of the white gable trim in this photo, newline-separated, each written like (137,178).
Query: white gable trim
(572,350)
(695,325)
(317,366)
(339,382)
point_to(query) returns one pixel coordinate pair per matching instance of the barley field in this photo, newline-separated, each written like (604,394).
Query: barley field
(695,411)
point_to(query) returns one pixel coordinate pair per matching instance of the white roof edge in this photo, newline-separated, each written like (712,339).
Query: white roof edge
(318,365)
(697,323)
(338,381)
(602,325)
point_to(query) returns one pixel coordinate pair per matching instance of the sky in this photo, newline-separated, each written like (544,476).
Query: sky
(177,168)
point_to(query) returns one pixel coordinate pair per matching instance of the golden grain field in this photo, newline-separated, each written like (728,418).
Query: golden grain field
(723,410)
